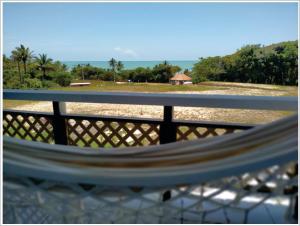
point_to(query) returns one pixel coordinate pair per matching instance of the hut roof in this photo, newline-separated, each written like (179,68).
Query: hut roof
(181,77)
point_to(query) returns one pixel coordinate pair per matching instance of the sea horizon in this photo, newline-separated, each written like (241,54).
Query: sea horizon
(131,64)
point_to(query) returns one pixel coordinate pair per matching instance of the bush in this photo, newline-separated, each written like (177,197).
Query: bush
(32,83)
(11,79)
(107,76)
(12,84)
(63,78)
(49,84)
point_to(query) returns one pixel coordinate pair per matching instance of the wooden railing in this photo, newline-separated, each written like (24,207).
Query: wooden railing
(103,131)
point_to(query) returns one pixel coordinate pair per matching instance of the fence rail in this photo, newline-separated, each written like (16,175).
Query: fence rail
(184,100)
(104,131)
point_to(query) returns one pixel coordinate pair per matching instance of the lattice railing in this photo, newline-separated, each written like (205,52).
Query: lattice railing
(35,200)
(89,131)
(98,133)
(196,132)
(28,126)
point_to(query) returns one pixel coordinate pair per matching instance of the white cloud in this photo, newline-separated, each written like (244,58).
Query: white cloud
(126,51)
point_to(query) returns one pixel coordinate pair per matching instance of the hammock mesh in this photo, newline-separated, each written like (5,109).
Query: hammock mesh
(249,198)
(183,182)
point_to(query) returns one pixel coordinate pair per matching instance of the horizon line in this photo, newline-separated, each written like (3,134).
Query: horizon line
(132,60)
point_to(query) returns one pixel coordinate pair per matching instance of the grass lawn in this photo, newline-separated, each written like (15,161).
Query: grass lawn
(134,87)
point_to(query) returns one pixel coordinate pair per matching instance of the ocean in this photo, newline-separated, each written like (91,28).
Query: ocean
(184,64)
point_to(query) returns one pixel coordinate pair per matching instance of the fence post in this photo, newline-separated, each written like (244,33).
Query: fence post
(167,132)
(59,124)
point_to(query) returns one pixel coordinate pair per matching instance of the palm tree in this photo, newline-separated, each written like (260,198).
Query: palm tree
(113,64)
(64,67)
(120,66)
(17,57)
(43,64)
(26,55)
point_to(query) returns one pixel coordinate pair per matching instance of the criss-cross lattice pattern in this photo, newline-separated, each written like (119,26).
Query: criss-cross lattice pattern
(29,127)
(195,132)
(96,133)
(99,133)
(265,196)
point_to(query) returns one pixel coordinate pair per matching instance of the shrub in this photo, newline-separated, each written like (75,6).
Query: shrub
(49,84)
(63,78)
(11,79)
(12,84)
(107,76)
(32,83)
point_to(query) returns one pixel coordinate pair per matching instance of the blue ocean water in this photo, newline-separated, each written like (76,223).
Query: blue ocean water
(184,64)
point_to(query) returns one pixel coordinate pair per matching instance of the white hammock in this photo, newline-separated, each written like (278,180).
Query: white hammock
(168,164)
(157,167)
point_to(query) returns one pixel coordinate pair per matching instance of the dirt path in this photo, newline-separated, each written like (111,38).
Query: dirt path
(186,113)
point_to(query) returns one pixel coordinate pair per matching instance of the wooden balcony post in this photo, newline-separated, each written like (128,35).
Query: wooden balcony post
(167,132)
(59,124)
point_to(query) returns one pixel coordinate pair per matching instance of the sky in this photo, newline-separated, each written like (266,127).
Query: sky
(145,31)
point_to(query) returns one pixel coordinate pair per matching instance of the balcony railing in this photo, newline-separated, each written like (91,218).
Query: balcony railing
(242,197)
(105,131)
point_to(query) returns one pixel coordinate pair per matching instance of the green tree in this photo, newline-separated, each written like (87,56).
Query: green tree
(63,78)
(26,55)
(89,72)
(162,72)
(119,66)
(247,64)
(58,66)
(165,63)
(141,74)
(211,68)
(113,64)
(17,57)
(77,71)
(186,72)
(175,69)
(43,64)
(274,64)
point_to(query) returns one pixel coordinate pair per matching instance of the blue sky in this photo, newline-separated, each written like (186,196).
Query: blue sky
(145,31)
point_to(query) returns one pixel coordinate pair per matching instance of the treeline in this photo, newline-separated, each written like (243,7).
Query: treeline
(25,70)
(274,64)
(160,73)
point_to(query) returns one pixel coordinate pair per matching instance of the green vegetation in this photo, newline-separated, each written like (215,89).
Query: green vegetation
(106,86)
(160,73)
(63,78)
(36,73)
(116,67)
(274,64)
(43,64)
(42,72)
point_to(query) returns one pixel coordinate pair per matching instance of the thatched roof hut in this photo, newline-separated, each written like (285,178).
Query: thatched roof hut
(179,79)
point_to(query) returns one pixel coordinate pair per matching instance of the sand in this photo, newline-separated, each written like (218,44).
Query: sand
(186,113)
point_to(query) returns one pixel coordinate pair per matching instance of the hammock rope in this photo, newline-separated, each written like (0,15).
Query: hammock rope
(223,179)
(254,148)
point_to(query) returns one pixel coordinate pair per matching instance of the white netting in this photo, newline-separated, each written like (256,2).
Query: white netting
(249,177)
(265,196)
